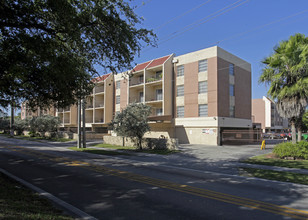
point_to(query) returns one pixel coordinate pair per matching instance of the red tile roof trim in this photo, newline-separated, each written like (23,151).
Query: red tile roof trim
(158,61)
(141,66)
(101,78)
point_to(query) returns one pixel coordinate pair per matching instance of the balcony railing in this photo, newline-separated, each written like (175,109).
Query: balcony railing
(153,79)
(99,105)
(101,120)
(90,105)
(67,109)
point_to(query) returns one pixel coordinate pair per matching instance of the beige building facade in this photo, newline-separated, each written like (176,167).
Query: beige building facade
(264,112)
(194,97)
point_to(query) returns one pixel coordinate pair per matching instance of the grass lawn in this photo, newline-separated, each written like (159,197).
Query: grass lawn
(276,175)
(98,151)
(19,202)
(133,149)
(42,138)
(267,159)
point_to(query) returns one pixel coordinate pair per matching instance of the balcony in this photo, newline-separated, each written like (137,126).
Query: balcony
(99,89)
(89,105)
(99,120)
(99,105)
(60,109)
(136,80)
(67,109)
(153,79)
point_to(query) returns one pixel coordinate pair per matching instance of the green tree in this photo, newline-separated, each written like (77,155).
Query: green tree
(286,72)
(45,123)
(49,48)
(132,122)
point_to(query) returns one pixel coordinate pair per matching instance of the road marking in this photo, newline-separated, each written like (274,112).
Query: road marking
(227,198)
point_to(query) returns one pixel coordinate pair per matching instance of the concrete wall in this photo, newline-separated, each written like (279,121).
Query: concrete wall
(191,90)
(212,87)
(258,112)
(108,104)
(197,135)
(167,86)
(147,143)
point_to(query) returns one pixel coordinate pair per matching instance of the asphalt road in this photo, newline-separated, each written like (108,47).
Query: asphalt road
(153,187)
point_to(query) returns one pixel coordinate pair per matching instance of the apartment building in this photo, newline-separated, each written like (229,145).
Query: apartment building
(27,112)
(194,97)
(212,94)
(98,106)
(264,112)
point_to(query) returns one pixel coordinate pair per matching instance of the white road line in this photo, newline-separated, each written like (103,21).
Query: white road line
(65,205)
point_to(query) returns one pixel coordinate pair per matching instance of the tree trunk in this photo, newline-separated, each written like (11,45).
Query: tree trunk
(293,130)
(299,136)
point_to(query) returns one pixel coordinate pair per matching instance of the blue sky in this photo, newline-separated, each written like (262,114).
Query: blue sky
(249,29)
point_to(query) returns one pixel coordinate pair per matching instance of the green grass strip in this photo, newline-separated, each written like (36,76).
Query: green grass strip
(18,202)
(264,160)
(276,175)
(133,149)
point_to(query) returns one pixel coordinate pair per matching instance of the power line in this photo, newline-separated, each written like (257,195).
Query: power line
(181,15)
(202,21)
(262,26)
(207,18)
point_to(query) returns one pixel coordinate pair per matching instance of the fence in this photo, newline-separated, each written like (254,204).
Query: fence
(241,136)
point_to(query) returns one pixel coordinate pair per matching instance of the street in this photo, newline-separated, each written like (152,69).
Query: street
(151,187)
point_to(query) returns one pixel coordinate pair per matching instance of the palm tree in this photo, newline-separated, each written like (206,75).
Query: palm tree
(286,72)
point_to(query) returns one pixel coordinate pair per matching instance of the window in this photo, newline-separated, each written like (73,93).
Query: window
(159,75)
(180,70)
(203,110)
(141,79)
(117,99)
(232,111)
(180,112)
(231,69)
(203,87)
(159,111)
(180,90)
(159,94)
(202,65)
(141,97)
(231,90)
(118,84)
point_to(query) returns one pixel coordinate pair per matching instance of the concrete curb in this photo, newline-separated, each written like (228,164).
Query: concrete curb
(65,205)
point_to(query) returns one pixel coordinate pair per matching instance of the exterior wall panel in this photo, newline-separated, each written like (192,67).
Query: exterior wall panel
(191,89)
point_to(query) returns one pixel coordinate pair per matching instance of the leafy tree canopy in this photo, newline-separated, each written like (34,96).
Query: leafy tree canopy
(132,122)
(48,48)
(286,72)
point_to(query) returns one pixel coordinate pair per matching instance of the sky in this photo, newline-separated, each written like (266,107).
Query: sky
(249,29)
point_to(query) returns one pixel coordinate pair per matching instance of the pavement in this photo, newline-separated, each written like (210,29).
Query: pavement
(184,185)
(225,159)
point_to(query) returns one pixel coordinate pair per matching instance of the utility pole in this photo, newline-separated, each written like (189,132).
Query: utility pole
(79,123)
(12,120)
(84,144)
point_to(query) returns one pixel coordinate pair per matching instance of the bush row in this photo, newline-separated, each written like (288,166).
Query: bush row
(297,151)
(44,123)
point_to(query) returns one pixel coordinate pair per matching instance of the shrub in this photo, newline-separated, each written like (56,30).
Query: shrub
(44,124)
(20,125)
(297,151)
(4,124)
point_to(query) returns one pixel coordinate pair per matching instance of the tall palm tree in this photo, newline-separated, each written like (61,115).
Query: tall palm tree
(286,72)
